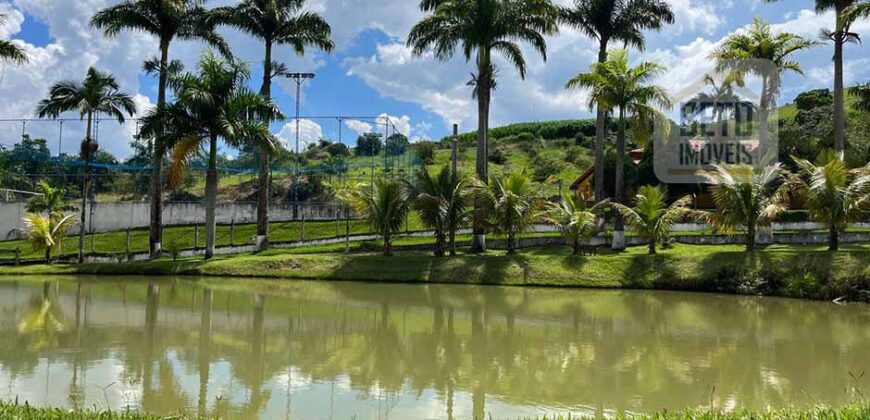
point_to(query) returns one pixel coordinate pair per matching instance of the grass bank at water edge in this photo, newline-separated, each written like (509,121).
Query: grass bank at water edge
(28,412)
(793,271)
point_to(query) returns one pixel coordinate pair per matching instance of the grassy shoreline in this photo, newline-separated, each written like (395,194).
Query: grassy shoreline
(808,272)
(28,412)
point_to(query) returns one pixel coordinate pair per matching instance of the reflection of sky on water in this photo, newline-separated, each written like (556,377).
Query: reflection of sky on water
(315,350)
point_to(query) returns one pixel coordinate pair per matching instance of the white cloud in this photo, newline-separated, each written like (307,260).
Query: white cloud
(360,127)
(400,124)
(309,132)
(696,15)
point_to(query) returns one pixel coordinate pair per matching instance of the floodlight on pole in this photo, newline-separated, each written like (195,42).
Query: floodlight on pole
(299,78)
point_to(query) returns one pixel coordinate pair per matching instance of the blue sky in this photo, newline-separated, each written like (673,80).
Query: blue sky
(371,73)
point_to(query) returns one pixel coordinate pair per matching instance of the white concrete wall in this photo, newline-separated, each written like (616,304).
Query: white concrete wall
(105,217)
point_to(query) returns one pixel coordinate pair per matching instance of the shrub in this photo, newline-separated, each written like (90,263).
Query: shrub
(368,144)
(425,151)
(337,149)
(497,156)
(573,154)
(173,248)
(545,167)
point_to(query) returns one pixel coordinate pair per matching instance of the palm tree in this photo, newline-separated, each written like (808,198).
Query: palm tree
(746,198)
(212,104)
(614,84)
(482,27)
(50,201)
(384,205)
(46,233)
(511,204)
(574,219)
(614,20)
(99,93)
(439,199)
(720,98)
(166,20)
(835,195)
(651,216)
(9,51)
(846,12)
(760,53)
(862,95)
(275,22)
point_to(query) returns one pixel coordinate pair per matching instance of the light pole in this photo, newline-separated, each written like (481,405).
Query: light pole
(299,78)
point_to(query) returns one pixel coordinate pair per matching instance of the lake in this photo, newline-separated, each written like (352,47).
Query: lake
(321,350)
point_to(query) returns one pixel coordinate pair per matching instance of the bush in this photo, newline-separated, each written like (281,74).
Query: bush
(573,154)
(497,156)
(337,150)
(544,167)
(425,151)
(583,140)
(397,144)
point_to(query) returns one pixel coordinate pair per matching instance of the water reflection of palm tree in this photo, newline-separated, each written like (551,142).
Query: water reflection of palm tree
(42,320)
(204,359)
(152,305)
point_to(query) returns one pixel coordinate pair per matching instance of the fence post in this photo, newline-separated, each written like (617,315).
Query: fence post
(17,256)
(195,236)
(337,219)
(346,231)
(93,248)
(303,224)
(232,232)
(127,243)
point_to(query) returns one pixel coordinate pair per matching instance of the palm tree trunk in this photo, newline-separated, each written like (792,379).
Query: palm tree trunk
(750,237)
(387,242)
(452,241)
(85,184)
(834,238)
(652,247)
(484,86)
(764,103)
(511,243)
(618,242)
(48,253)
(211,181)
(155,227)
(600,135)
(839,106)
(263,180)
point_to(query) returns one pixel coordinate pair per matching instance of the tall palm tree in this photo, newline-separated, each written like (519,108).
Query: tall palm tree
(747,198)
(651,216)
(275,22)
(9,51)
(479,28)
(439,199)
(720,98)
(835,195)
(752,53)
(614,20)
(99,93)
(212,104)
(574,218)
(846,12)
(615,85)
(511,205)
(384,205)
(166,20)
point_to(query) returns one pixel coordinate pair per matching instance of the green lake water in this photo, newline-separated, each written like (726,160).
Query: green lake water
(341,350)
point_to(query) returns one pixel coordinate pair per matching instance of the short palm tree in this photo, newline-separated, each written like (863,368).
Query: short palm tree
(166,20)
(439,199)
(275,22)
(651,216)
(384,206)
(212,104)
(861,93)
(615,85)
(511,205)
(614,20)
(50,201)
(46,233)
(759,52)
(574,219)
(747,198)
(9,51)
(483,27)
(835,195)
(99,93)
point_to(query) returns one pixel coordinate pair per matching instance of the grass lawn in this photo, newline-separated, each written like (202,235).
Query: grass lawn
(782,270)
